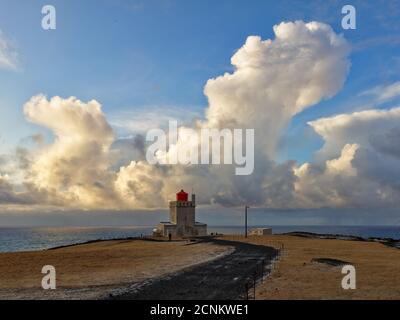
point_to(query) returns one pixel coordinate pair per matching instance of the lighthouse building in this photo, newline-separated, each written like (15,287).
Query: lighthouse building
(182,218)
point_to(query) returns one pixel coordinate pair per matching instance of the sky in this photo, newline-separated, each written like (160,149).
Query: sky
(326,120)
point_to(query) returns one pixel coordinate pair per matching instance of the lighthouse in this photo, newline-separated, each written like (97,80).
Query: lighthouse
(182,218)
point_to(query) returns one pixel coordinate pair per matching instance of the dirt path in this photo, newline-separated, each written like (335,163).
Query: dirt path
(224,278)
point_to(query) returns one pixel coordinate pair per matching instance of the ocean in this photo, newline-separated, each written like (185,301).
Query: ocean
(25,239)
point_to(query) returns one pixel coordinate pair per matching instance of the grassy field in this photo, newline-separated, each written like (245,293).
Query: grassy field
(295,276)
(89,270)
(93,270)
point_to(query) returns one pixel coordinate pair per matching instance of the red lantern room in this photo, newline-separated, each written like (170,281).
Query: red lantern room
(182,196)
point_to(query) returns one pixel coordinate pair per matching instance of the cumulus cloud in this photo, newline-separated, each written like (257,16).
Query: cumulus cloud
(6,191)
(358,127)
(328,184)
(8,56)
(128,149)
(276,79)
(273,80)
(73,170)
(10,195)
(358,166)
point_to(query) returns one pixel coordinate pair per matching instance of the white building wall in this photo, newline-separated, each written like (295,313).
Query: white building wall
(182,220)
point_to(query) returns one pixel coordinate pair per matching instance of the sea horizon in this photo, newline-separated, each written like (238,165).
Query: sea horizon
(16,239)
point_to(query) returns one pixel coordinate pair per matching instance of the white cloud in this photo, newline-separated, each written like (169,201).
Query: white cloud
(73,170)
(276,79)
(150,117)
(8,56)
(273,80)
(359,164)
(357,127)
(383,94)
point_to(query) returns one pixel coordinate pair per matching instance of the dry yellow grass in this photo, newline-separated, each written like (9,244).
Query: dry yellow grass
(91,270)
(296,277)
(104,264)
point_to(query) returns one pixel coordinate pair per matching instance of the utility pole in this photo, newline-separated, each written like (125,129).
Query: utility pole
(245,220)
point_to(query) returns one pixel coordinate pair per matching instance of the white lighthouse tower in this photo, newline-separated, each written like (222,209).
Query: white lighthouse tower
(182,218)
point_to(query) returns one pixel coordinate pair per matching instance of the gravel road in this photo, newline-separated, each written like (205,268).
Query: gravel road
(224,278)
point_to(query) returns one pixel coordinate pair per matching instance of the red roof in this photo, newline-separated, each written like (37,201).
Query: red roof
(182,196)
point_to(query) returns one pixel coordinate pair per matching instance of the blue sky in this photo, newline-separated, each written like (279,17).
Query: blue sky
(147,59)
(135,55)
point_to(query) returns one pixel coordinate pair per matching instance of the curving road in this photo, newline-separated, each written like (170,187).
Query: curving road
(224,278)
